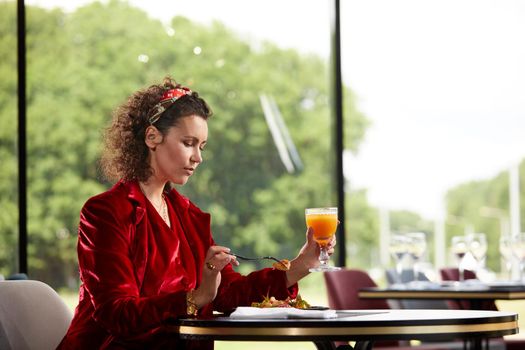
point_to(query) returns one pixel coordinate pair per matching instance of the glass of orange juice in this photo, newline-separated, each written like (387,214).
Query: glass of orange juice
(324,223)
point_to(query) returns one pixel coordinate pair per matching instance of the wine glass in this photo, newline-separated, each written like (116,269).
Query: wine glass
(417,246)
(518,249)
(459,248)
(505,249)
(398,248)
(477,245)
(324,223)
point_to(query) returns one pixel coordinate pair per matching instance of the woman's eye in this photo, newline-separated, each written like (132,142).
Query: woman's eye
(188,144)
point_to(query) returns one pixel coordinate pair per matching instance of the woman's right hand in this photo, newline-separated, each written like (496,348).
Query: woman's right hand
(216,259)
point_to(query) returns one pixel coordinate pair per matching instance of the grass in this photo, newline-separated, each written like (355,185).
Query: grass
(517,306)
(313,290)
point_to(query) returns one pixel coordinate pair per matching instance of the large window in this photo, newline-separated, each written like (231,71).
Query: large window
(442,83)
(432,109)
(265,73)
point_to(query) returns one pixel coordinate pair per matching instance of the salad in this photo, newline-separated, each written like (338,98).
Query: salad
(298,303)
(283,265)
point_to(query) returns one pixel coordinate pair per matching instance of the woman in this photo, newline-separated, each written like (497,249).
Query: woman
(146,254)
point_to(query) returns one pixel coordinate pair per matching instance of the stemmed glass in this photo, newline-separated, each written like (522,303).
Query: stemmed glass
(459,249)
(518,249)
(398,248)
(505,249)
(477,245)
(417,246)
(324,223)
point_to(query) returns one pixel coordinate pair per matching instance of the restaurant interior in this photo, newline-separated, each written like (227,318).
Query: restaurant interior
(406,116)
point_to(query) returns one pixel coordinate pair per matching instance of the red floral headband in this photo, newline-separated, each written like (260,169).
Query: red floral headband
(166,101)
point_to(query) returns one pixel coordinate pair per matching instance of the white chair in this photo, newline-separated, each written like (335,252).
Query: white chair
(32,316)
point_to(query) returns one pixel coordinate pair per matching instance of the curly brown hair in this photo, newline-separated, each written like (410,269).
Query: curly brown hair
(125,154)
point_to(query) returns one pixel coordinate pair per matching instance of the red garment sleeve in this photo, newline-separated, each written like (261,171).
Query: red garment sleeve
(238,290)
(109,275)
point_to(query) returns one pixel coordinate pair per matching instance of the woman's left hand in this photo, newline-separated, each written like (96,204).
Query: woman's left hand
(310,251)
(307,258)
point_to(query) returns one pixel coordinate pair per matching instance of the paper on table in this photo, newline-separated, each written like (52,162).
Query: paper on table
(280,312)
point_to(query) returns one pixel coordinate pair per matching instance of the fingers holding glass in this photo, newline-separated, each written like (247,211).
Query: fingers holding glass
(330,247)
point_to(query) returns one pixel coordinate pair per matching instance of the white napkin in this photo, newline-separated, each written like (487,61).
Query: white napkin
(280,312)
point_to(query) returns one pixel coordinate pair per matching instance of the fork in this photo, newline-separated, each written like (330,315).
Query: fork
(255,258)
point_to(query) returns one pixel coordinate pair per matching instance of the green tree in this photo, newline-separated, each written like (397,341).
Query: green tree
(81,65)
(363,231)
(465,205)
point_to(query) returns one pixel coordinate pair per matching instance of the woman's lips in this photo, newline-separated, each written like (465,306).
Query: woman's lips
(189,171)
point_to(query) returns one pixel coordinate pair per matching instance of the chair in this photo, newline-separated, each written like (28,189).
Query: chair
(32,315)
(392,277)
(452,274)
(343,287)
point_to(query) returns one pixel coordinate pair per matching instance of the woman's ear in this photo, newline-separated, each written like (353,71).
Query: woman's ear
(153,137)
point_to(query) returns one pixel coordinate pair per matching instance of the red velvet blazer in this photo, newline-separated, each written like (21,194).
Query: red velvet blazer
(135,272)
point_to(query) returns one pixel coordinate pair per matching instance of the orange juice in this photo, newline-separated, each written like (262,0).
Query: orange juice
(324,226)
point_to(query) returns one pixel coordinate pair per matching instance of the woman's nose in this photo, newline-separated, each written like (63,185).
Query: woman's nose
(197,156)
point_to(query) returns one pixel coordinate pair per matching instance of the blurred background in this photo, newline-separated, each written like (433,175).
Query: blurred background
(433,111)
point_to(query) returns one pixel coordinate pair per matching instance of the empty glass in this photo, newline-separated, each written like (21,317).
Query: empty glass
(477,245)
(505,249)
(398,248)
(518,250)
(417,246)
(459,248)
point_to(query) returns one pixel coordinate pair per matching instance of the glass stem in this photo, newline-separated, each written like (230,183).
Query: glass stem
(416,270)
(323,256)
(399,270)
(461,271)
(509,270)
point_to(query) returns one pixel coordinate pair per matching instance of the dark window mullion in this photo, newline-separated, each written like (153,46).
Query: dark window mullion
(22,144)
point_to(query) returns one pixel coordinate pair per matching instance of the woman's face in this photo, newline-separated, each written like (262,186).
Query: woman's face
(179,152)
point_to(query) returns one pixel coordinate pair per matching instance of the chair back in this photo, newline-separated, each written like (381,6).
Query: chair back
(452,274)
(343,287)
(32,315)
(407,275)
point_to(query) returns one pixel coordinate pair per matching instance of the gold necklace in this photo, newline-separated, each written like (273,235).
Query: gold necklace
(162,209)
